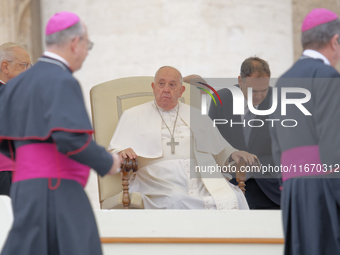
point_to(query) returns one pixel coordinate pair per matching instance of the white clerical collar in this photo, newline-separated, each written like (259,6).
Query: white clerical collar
(2,82)
(315,54)
(57,57)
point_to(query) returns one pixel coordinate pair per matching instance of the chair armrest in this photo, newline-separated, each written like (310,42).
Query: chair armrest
(127,166)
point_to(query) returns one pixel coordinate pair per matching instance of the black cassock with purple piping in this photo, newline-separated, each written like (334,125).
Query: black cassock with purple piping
(46,130)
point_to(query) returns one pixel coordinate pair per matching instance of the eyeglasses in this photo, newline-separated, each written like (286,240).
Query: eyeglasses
(172,85)
(23,64)
(89,44)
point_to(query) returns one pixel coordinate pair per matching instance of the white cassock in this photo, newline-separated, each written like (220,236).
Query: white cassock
(171,181)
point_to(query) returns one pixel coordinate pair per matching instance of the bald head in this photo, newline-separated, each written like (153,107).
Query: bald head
(167,87)
(169,67)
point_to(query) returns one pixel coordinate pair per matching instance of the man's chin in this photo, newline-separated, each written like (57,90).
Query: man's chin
(166,106)
(165,101)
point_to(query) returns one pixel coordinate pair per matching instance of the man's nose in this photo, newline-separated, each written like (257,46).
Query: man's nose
(257,95)
(166,87)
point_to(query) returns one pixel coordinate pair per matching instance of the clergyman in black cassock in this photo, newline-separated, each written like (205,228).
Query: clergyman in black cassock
(48,132)
(309,150)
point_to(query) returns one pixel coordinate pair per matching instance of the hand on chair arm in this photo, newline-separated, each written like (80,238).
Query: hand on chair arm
(128,153)
(247,157)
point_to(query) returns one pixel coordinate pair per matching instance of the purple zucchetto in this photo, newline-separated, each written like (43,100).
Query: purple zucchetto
(61,21)
(317,17)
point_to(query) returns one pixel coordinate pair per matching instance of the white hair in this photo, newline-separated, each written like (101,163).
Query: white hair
(7,52)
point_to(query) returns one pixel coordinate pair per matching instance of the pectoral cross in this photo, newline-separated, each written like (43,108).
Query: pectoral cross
(172,143)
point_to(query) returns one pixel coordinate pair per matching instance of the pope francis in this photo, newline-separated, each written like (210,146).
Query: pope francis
(169,149)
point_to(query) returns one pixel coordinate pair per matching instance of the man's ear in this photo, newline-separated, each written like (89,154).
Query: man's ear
(335,41)
(4,67)
(182,89)
(75,44)
(239,79)
(152,85)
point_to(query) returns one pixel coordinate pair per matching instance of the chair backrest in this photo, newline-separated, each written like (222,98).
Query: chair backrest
(108,101)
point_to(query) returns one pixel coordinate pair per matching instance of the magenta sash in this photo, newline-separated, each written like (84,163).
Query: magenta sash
(42,160)
(302,161)
(6,164)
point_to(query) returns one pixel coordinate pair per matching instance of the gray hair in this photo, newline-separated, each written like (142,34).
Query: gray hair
(180,75)
(317,37)
(63,36)
(6,50)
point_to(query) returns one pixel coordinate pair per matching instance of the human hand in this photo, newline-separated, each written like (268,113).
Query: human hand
(128,153)
(117,161)
(247,157)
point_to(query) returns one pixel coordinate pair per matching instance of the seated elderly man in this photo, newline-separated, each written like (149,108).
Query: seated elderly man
(169,150)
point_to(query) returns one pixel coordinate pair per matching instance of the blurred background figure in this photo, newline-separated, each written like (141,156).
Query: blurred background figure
(14,59)
(311,197)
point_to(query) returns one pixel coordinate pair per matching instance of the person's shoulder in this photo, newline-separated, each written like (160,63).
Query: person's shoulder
(326,71)
(48,76)
(321,69)
(225,92)
(192,111)
(141,108)
(311,68)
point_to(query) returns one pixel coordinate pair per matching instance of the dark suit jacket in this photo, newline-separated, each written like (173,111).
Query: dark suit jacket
(259,144)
